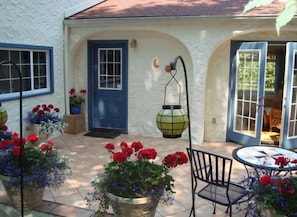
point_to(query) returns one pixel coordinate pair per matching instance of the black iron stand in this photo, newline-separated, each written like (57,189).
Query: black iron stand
(173,67)
(21,129)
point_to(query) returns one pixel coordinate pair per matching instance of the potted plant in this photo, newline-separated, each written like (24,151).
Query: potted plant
(43,166)
(133,183)
(76,100)
(45,120)
(276,192)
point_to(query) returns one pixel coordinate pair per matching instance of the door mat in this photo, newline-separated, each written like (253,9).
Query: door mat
(104,133)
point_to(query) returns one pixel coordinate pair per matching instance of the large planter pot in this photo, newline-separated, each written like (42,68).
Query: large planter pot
(32,196)
(132,207)
(74,110)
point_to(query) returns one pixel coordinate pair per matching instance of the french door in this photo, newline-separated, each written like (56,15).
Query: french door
(247,95)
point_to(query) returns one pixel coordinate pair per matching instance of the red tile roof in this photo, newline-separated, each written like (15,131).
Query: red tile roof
(172,8)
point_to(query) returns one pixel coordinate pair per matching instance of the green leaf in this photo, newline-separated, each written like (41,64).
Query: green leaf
(286,15)
(255,4)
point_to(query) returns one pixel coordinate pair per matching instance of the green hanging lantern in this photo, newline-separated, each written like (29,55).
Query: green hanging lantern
(3,116)
(172,121)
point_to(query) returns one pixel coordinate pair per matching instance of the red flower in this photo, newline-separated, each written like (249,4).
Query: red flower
(83,91)
(56,109)
(286,186)
(16,151)
(43,147)
(4,127)
(14,135)
(5,143)
(265,180)
(124,144)
(50,106)
(50,142)
(32,138)
(294,161)
(128,151)
(18,141)
(147,154)
(40,112)
(170,161)
(181,158)
(109,146)
(35,109)
(120,157)
(72,91)
(137,146)
(281,161)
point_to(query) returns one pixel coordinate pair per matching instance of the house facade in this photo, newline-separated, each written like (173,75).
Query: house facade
(119,53)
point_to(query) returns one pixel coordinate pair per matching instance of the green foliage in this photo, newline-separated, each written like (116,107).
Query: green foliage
(283,18)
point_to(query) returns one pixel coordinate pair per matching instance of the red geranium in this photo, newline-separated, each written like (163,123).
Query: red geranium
(120,157)
(282,161)
(109,146)
(76,99)
(265,180)
(137,146)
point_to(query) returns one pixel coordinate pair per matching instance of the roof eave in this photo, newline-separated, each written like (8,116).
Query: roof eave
(74,22)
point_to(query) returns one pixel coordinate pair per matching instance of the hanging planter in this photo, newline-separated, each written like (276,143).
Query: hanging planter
(3,116)
(172,121)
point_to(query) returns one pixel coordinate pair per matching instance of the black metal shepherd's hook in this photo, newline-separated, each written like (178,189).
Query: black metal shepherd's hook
(173,67)
(21,129)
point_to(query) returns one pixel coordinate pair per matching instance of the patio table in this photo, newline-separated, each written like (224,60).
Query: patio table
(262,159)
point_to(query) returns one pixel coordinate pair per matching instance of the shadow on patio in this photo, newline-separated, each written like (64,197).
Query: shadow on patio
(88,157)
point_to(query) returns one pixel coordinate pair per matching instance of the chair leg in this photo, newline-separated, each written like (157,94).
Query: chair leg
(214,208)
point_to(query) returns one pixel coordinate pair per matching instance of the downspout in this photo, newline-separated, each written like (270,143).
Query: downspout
(66,70)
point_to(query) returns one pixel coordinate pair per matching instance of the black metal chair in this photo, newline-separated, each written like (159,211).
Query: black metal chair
(215,171)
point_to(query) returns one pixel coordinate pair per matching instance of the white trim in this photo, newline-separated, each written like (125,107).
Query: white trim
(80,7)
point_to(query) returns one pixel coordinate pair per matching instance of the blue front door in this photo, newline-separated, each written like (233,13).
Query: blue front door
(108,84)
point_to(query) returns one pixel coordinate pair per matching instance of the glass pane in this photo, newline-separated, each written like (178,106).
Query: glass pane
(15,56)
(4,87)
(4,55)
(293,107)
(247,91)
(26,84)
(110,68)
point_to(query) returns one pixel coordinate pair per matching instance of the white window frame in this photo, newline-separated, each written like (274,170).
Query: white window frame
(49,87)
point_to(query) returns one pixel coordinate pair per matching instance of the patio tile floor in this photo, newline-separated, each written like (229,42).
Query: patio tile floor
(88,157)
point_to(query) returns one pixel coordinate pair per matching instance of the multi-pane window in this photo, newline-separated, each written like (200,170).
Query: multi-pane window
(34,64)
(110,70)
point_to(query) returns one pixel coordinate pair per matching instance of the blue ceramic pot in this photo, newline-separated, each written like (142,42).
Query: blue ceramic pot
(74,110)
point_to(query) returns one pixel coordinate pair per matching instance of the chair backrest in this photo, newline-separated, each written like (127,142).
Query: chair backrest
(211,168)
(275,118)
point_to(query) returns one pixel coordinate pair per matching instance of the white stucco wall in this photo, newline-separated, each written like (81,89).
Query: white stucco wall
(36,23)
(203,43)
